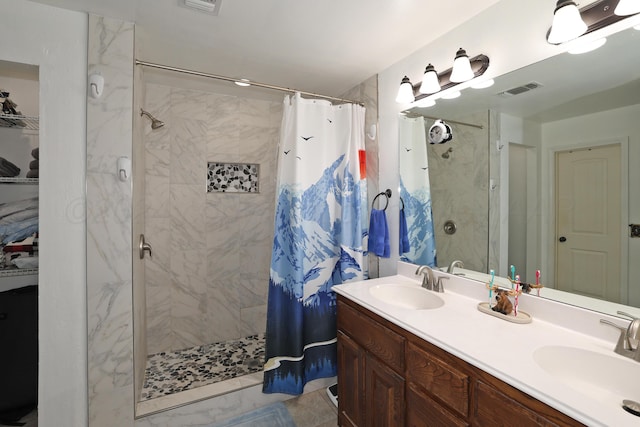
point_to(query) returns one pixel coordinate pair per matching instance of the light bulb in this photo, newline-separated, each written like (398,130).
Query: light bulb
(567,23)
(461,68)
(627,7)
(405,92)
(430,81)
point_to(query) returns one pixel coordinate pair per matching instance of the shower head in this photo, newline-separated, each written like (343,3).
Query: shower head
(155,123)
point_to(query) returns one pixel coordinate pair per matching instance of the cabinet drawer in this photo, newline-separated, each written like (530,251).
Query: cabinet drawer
(423,411)
(493,408)
(440,379)
(380,341)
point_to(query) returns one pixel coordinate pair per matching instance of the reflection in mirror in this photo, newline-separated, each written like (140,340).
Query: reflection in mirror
(458,176)
(540,120)
(417,240)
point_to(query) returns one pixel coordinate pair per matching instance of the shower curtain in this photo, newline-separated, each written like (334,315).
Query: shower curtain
(320,233)
(415,192)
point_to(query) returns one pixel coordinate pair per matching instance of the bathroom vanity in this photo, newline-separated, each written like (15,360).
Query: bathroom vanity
(452,365)
(390,377)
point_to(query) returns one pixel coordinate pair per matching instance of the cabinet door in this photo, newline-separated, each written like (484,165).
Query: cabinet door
(350,382)
(384,395)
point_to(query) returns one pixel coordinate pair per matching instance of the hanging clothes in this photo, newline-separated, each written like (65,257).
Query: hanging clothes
(415,192)
(320,233)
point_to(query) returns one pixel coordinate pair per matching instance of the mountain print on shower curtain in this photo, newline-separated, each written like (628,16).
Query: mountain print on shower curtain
(319,239)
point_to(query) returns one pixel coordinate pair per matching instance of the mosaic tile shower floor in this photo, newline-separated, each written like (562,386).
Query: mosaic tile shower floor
(172,372)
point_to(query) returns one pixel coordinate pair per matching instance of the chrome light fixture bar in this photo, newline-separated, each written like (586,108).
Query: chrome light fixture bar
(595,16)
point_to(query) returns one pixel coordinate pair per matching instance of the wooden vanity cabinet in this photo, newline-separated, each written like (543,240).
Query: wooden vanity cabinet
(390,377)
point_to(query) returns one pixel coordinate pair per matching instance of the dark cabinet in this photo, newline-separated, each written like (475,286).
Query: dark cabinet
(390,377)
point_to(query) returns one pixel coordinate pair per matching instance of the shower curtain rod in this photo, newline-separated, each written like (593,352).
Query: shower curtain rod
(413,115)
(252,83)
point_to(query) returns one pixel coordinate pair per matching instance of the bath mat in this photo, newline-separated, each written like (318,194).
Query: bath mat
(275,415)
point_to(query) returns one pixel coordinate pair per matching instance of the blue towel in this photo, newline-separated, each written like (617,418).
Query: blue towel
(379,234)
(404,234)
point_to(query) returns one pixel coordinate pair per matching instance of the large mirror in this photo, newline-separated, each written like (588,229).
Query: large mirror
(521,150)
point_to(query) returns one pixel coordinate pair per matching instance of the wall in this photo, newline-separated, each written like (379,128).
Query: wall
(208,278)
(367,94)
(109,217)
(618,124)
(497,32)
(55,40)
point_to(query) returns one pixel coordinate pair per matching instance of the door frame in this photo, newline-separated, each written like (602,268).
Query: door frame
(549,238)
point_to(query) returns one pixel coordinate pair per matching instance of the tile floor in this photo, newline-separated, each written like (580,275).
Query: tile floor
(313,409)
(173,372)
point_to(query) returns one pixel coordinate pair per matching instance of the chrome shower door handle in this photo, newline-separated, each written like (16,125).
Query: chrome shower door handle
(144,246)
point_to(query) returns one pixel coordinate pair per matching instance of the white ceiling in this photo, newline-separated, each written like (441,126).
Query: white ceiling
(326,46)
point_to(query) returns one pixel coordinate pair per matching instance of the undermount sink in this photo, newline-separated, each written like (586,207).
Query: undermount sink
(407,296)
(609,379)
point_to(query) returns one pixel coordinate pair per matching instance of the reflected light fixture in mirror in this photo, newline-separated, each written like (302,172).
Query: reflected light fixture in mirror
(430,80)
(426,103)
(627,7)
(405,93)
(451,95)
(461,68)
(243,82)
(567,23)
(482,84)
(587,47)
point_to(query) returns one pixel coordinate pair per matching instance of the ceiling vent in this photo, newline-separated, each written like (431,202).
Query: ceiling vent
(520,89)
(211,7)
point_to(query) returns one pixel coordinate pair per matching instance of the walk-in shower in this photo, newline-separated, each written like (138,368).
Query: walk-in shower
(205,286)
(203,301)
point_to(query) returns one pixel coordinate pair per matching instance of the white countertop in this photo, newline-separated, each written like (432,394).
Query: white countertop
(505,349)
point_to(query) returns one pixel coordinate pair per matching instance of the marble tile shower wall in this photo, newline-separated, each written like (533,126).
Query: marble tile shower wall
(208,278)
(459,192)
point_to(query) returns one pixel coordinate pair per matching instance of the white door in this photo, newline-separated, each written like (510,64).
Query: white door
(588,207)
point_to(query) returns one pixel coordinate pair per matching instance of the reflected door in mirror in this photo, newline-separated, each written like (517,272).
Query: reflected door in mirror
(588,221)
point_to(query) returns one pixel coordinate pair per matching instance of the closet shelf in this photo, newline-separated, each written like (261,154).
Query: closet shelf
(20,122)
(13,272)
(4,179)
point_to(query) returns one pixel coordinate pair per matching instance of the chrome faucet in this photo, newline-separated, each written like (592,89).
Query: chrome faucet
(628,344)
(454,264)
(427,280)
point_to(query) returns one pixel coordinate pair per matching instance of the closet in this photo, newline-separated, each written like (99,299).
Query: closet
(19,221)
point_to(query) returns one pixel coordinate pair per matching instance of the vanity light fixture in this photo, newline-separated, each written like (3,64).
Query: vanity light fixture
(461,67)
(430,80)
(569,22)
(405,93)
(627,7)
(434,83)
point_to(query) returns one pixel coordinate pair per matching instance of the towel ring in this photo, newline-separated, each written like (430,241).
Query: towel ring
(387,194)
(402,201)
